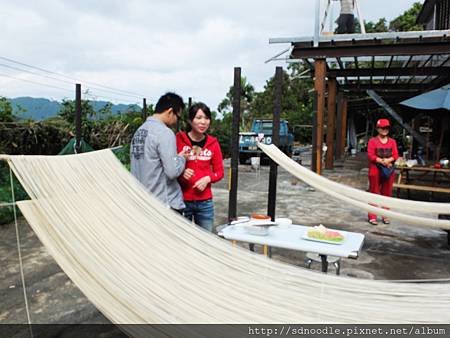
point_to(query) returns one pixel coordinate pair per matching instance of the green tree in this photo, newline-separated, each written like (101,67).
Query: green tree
(221,128)
(105,111)
(375,27)
(296,101)
(247,96)
(407,21)
(403,23)
(6,111)
(67,111)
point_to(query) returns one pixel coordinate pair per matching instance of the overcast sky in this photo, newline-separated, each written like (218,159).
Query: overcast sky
(148,47)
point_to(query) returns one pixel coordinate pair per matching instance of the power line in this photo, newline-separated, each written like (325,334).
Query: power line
(35,82)
(96,97)
(71,78)
(56,79)
(60,80)
(29,72)
(65,89)
(65,81)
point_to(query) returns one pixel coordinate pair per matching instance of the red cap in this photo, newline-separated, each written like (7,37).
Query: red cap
(383,123)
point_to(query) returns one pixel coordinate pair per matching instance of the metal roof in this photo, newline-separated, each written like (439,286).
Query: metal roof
(397,65)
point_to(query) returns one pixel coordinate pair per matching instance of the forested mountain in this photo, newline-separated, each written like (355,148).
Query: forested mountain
(40,109)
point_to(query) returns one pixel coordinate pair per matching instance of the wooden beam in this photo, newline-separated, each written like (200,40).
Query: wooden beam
(331,122)
(78,118)
(398,71)
(233,178)
(374,49)
(271,204)
(144,109)
(362,87)
(337,152)
(319,86)
(344,125)
(314,133)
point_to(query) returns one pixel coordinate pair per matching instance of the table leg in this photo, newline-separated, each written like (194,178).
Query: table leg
(433,184)
(399,181)
(324,263)
(407,182)
(267,251)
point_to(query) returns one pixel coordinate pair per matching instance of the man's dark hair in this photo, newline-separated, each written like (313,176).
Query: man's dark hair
(196,107)
(169,100)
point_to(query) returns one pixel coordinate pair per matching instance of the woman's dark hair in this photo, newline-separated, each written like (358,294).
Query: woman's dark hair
(196,107)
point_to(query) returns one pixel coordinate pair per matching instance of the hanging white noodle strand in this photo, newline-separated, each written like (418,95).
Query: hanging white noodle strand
(140,262)
(359,198)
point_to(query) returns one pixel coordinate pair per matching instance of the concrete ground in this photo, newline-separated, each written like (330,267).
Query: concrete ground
(393,252)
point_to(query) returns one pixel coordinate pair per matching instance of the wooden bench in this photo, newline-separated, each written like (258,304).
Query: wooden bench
(421,188)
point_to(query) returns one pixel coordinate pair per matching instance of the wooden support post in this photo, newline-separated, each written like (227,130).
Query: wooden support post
(78,118)
(144,109)
(331,123)
(344,125)
(338,154)
(366,134)
(313,134)
(271,204)
(319,85)
(232,198)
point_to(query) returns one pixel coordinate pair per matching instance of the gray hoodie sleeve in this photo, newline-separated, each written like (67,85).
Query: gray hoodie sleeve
(173,164)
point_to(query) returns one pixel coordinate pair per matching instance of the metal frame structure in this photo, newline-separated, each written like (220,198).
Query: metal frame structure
(396,65)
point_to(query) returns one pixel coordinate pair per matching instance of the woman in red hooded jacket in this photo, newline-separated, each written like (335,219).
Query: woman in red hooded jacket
(382,153)
(204,166)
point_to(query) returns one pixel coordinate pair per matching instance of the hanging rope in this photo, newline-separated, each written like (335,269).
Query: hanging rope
(19,250)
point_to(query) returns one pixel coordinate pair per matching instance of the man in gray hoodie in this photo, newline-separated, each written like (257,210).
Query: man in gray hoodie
(154,159)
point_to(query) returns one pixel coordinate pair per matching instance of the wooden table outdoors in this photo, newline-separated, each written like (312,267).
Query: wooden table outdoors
(424,179)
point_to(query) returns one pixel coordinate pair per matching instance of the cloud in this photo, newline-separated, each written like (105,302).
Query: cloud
(149,47)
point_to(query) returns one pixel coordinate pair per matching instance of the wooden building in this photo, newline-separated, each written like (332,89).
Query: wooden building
(362,77)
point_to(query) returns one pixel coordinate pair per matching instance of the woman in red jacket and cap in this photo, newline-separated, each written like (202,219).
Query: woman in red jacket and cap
(382,152)
(204,166)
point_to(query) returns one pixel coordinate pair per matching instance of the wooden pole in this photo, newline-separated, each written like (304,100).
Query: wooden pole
(232,198)
(271,204)
(78,118)
(144,109)
(314,134)
(331,123)
(338,153)
(344,125)
(319,85)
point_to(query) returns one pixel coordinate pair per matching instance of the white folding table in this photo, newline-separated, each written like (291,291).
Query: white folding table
(294,237)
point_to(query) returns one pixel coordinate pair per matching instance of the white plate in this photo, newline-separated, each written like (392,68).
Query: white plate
(321,240)
(283,222)
(241,219)
(257,230)
(259,222)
